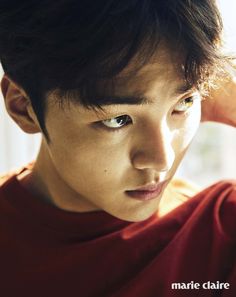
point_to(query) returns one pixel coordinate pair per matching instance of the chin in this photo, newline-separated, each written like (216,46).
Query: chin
(136,216)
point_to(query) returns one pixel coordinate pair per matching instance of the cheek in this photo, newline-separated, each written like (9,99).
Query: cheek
(89,163)
(184,135)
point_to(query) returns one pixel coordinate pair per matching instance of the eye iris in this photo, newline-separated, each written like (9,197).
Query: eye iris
(117,122)
(185,104)
(121,120)
(188,102)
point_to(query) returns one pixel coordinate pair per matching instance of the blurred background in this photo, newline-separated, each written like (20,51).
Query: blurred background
(212,155)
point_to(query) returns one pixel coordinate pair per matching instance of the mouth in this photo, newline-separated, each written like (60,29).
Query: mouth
(148,192)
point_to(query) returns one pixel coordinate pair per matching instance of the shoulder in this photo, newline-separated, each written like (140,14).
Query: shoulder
(8,181)
(14,173)
(223,192)
(221,197)
(215,207)
(5,177)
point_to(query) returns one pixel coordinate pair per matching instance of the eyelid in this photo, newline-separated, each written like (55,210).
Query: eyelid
(106,117)
(99,124)
(194,96)
(189,94)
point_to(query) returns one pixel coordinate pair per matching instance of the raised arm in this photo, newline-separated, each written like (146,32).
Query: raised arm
(220,106)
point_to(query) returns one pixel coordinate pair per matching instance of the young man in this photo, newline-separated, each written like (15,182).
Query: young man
(115,88)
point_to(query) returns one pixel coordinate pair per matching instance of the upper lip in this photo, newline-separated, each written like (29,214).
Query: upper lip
(151,187)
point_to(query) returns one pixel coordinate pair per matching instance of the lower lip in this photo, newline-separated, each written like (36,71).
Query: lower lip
(145,195)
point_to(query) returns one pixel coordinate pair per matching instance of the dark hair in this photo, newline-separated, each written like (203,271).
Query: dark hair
(72,45)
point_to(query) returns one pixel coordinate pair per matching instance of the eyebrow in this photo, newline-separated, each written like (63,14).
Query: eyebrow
(137,100)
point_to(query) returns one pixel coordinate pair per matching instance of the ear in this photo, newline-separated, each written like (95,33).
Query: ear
(19,106)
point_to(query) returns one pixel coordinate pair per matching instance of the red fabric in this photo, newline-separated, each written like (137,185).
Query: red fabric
(45,251)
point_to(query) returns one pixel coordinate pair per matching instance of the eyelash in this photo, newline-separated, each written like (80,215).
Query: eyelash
(125,117)
(191,100)
(128,119)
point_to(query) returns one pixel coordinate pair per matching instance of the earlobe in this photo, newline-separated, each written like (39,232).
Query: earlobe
(19,106)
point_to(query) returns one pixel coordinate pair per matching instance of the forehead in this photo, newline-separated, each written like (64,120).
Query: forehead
(163,71)
(160,78)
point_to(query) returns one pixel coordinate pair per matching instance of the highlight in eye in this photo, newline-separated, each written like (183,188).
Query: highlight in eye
(117,122)
(185,104)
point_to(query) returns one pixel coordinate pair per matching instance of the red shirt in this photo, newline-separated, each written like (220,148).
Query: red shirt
(45,251)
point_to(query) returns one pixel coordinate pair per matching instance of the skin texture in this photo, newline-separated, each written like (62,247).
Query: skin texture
(88,166)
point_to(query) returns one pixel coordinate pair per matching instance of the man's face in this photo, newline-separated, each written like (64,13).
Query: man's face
(100,159)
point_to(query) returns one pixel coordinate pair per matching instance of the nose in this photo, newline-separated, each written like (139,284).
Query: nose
(154,149)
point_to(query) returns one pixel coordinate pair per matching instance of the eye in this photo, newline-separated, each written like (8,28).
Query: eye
(117,122)
(185,104)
